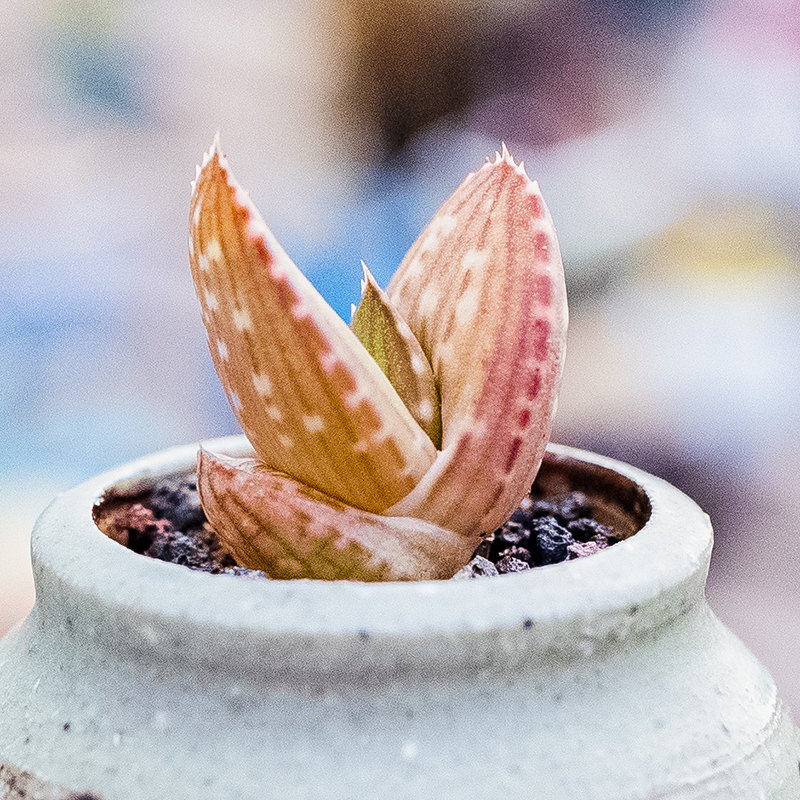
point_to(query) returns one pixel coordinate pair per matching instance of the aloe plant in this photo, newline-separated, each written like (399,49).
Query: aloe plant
(385,449)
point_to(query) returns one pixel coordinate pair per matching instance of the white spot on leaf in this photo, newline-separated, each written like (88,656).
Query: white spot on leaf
(444,224)
(328,361)
(428,301)
(314,423)
(241,319)
(418,365)
(262,384)
(256,228)
(467,306)
(353,400)
(300,310)
(213,250)
(274,413)
(474,259)
(425,410)
(440,226)
(414,268)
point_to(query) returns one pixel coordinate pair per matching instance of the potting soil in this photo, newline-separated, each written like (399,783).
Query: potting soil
(167,522)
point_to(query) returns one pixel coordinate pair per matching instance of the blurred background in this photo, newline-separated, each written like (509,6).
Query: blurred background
(665,136)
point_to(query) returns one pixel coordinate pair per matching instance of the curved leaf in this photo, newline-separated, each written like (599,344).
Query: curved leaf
(311,400)
(483,291)
(270,522)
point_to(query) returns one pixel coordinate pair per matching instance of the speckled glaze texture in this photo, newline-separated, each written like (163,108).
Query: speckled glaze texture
(604,678)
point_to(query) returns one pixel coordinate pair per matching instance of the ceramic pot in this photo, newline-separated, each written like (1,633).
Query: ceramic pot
(605,677)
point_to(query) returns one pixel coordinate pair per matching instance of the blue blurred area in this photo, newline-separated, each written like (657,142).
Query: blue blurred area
(629,113)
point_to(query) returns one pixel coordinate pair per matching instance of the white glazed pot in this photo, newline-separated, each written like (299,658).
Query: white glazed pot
(605,678)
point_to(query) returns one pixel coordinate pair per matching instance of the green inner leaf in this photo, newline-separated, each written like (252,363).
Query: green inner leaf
(389,340)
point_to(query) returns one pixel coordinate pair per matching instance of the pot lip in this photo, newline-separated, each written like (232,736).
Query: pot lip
(669,555)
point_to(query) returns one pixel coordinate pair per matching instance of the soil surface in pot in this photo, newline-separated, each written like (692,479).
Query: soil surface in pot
(555,522)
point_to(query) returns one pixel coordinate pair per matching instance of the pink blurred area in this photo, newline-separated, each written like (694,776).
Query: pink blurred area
(665,137)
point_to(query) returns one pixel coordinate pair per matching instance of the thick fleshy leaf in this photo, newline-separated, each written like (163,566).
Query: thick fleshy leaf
(483,291)
(389,340)
(270,522)
(311,400)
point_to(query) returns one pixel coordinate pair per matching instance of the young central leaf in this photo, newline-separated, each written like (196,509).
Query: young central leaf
(311,400)
(389,340)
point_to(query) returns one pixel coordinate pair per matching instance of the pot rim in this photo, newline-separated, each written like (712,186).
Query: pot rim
(669,555)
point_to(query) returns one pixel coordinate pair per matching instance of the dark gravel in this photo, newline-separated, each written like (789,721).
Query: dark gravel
(168,523)
(541,532)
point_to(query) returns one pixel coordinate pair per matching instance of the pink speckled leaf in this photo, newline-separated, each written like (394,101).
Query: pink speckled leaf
(270,522)
(311,400)
(483,291)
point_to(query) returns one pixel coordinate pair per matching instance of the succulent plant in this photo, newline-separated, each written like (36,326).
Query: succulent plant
(385,449)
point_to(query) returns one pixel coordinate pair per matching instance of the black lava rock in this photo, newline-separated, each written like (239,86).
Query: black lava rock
(523,516)
(178,548)
(585,528)
(198,549)
(177,500)
(509,564)
(564,509)
(550,541)
(513,533)
(520,553)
